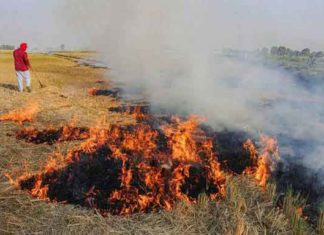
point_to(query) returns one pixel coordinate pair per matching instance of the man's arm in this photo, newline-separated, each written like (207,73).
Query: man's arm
(27,62)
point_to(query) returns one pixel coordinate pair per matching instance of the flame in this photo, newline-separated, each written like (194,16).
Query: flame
(40,190)
(263,158)
(92,91)
(141,140)
(21,115)
(181,139)
(300,211)
(138,112)
(140,168)
(51,135)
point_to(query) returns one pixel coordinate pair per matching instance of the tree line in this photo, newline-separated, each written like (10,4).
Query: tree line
(285,51)
(6,47)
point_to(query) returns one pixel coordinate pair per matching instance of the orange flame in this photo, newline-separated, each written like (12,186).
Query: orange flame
(92,91)
(155,167)
(181,139)
(263,158)
(21,115)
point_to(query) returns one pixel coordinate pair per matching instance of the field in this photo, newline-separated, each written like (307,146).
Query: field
(246,209)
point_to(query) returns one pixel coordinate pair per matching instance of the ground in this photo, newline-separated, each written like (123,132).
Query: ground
(247,208)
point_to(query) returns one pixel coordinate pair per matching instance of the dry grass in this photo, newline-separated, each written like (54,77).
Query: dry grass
(246,209)
(320,223)
(292,206)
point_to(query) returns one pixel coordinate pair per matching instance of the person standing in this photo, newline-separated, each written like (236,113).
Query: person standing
(22,66)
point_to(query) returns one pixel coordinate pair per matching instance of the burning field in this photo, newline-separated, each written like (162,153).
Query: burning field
(143,167)
(137,172)
(21,115)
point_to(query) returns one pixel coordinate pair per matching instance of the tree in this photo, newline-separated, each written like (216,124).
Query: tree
(313,54)
(6,47)
(282,51)
(274,51)
(62,47)
(289,52)
(305,52)
(296,53)
(314,57)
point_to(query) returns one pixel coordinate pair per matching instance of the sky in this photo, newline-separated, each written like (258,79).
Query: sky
(27,20)
(250,23)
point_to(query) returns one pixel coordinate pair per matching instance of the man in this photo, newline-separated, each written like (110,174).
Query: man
(22,66)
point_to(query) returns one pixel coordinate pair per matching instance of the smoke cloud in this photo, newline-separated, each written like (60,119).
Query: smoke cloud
(169,51)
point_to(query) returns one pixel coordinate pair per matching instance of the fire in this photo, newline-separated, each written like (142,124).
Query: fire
(181,140)
(51,135)
(92,91)
(21,115)
(39,190)
(138,112)
(143,167)
(300,211)
(140,140)
(263,158)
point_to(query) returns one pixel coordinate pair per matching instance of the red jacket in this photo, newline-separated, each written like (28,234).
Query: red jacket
(21,60)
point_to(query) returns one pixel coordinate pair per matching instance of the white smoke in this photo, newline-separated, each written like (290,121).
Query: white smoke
(169,50)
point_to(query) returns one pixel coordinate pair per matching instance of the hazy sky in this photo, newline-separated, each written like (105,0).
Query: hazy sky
(28,20)
(295,23)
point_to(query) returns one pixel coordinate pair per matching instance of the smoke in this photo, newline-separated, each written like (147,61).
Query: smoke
(169,51)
